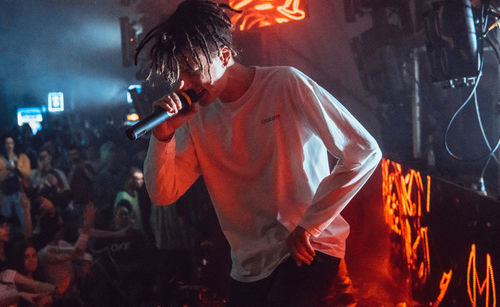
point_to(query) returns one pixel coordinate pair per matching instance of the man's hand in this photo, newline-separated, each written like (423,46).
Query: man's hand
(172,104)
(88,216)
(300,247)
(47,206)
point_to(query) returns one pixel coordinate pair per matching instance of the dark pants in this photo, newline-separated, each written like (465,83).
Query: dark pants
(289,285)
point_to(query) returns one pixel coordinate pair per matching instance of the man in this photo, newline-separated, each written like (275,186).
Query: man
(129,194)
(260,138)
(39,175)
(126,257)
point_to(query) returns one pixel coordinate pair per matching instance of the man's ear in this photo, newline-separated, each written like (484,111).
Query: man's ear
(225,55)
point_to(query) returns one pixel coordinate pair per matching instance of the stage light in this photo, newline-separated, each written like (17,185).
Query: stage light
(56,102)
(262,13)
(31,116)
(133,117)
(136,87)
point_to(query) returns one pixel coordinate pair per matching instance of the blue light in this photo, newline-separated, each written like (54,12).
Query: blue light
(56,102)
(137,87)
(31,116)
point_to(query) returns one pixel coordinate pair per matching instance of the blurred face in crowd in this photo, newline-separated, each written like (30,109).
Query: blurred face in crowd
(122,217)
(4,232)
(30,260)
(51,180)
(138,178)
(74,155)
(44,160)
(9,145)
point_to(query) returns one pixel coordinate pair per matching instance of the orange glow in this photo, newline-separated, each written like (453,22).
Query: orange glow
(488,283)
(263,7)
(133,117)
(262,13)
(443,287)
(402,195)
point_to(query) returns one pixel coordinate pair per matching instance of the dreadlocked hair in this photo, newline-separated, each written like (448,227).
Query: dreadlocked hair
(195,25)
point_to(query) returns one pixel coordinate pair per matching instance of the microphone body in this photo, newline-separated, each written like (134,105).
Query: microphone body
(159,116)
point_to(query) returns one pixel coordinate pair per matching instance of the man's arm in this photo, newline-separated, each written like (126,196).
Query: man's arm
(170,167)
(346,139)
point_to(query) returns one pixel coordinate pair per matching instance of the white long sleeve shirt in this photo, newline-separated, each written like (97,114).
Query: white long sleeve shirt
(264,161)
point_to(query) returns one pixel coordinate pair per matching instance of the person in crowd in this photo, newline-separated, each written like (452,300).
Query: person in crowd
(130,194)
(15,171)
(109,181)
(14,285)
(81,179)
(128,257)
(57,256)
(25,260)
(259,136)
(39,175)
(81,176)
(56,190)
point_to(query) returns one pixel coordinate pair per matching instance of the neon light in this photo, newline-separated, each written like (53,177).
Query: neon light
(262,13)
(428,199)
(31,116)
(263,7)
(294,13)
(488,280)
(240,5)
(443,287)
(56,102)
(402,197)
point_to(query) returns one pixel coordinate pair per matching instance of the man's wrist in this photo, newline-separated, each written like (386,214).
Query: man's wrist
(164,139)
(304,230)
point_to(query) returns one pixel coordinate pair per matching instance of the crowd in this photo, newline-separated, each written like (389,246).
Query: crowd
(77,227)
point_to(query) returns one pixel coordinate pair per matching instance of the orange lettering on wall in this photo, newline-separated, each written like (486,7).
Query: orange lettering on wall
(403,196)
(262,13)
(443,287)
(473,285)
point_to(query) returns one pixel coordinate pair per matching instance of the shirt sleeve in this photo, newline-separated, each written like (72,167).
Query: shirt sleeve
(170,168)
(64,251)
(7,276)
(346,139)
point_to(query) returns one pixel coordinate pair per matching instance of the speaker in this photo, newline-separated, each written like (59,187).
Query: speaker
(129,41)
(451,40)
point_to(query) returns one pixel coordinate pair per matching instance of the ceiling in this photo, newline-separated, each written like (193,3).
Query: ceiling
(62,45)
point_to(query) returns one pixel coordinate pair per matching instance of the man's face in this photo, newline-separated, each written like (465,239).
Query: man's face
(44,159)
(30,260)
(122,217)
(206,80)
(9,144)
(138,178)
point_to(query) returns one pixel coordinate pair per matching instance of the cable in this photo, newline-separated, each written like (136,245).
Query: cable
(481,127)
(478,78)
(473,93)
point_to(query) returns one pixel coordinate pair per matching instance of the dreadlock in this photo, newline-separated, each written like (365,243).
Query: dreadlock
(195,24)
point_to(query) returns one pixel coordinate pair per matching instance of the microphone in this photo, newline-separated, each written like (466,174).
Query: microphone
(159,116)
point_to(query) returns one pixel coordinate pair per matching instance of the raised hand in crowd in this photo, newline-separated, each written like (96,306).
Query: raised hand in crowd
(88,217)
(47,206)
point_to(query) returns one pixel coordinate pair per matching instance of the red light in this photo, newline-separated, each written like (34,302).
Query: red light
(262,13)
